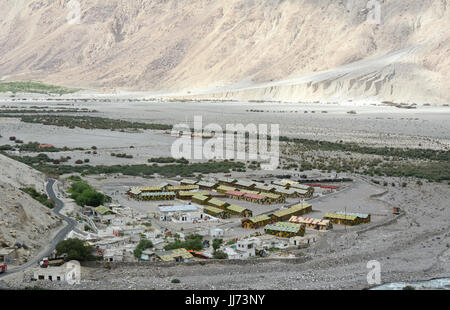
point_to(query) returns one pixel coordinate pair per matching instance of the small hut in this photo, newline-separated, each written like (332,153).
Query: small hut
(256,222)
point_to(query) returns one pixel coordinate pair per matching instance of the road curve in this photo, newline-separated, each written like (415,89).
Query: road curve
(71,223)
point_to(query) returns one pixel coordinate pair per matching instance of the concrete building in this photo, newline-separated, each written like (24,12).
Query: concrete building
(7,255)
(65,273)
(216,232)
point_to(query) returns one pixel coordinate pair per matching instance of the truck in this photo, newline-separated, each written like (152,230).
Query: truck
(54,262)
(3,268)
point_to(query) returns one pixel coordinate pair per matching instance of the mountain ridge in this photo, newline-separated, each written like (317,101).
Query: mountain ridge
(238,49)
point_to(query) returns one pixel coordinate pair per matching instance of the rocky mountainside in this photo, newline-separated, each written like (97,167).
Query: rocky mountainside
(243,49)
(23,219)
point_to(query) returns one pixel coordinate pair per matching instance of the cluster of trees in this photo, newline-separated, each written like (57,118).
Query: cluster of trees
(90,122)
(75,249)
(168,160)
(42,198)
(85,195)
(217,243)
(143,245)
(122,155)
(171,170)
(34,147)
(192,242)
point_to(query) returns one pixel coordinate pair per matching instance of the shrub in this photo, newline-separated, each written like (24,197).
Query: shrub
(143,245)
(220,255)
(75,249)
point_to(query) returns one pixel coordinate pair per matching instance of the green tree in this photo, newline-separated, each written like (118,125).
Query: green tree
(75,249)
(220,255)
(143,245)
(217,243)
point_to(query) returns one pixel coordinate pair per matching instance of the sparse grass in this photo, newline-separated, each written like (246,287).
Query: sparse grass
(34,87)
(42,198)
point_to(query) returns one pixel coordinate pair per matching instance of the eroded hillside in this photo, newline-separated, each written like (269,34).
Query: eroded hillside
(22,219)
(268,49)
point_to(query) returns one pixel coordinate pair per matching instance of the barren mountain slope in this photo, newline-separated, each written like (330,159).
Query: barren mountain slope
(23,219)
(212,46)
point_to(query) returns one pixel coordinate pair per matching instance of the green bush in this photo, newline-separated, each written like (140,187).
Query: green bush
(193,242)
(220,255)
(75,250)
(42,198)
(85,195)
(143,245)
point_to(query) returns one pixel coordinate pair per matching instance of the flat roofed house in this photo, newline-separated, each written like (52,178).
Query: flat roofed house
(248,191)
(216,212)
(188,195)
(207,185)
(58,274)
(256,222)
(223,189)
(200,199)
(7,255)
(214,202)
(295,210)
(148,256)
(188,182)
(300,186)
(364,217)
(285,230)
(157,196)
(103,213)
(164,185)
(281,183)
(150,189)
(301,192)
(290,193)
(181,208)
(256,198)
(176,255)
(235,195)
(227,181)
(267,188)
(238,210)
(288,181)
(312,223)
(244,184)
(274,198)
(134,192)
(309,189)
(174,188)
(342,219)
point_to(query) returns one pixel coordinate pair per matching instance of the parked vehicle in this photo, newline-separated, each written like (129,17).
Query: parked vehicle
(46,262)
(3,268)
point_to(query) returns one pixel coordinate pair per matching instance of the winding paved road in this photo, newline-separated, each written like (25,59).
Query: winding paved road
(71,223)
